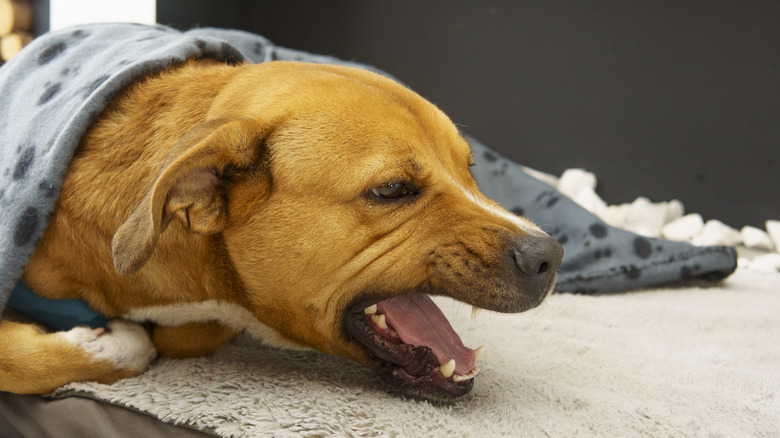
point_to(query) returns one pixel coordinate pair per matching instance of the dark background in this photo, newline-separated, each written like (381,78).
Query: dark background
(666,99)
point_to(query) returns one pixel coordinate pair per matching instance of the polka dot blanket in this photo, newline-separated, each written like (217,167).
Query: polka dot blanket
(56,87)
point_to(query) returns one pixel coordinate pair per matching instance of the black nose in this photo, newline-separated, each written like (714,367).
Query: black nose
(537,256)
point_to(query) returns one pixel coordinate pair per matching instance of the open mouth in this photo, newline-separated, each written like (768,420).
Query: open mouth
(415,346)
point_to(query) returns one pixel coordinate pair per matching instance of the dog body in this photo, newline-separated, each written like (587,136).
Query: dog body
(279,199)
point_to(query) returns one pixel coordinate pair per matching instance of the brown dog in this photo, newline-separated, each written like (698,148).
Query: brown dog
(308,205)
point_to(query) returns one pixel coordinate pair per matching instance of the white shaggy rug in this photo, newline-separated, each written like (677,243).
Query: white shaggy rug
(670,362)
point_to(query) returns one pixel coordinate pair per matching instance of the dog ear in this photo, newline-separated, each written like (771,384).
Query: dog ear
(189,187)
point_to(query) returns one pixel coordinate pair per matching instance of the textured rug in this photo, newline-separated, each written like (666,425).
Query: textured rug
(692,361)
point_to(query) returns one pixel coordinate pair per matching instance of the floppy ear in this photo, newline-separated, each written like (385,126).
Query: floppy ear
(189,187)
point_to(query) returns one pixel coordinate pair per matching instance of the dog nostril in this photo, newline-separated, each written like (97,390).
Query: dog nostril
(537,256)
(528,264)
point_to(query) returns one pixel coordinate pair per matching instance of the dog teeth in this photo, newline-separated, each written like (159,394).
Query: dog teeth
(470,375)
(475,311)
(370,310)
(448,368)
(379,320)
(478,353)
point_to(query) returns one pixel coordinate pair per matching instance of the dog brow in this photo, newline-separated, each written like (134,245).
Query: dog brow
(379,171)
(414,165)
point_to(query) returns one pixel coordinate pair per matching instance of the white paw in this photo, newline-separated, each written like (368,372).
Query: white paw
(125,344)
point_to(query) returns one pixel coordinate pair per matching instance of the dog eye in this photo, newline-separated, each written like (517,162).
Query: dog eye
(394,190)
(390,191)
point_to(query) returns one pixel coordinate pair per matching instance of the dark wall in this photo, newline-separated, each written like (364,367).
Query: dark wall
(40,23)
(664,99)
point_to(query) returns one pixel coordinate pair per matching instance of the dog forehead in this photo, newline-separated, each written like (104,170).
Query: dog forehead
(360,142)
(346,126)
(365,155)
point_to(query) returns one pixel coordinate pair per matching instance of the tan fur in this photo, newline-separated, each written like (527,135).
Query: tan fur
(246,185)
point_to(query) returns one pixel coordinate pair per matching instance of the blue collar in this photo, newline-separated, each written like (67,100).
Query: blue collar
(59,315)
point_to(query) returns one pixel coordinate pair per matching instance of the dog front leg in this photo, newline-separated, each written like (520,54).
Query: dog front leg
(33,361)
(191,340)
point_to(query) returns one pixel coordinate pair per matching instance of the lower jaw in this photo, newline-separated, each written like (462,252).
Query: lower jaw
(432,386)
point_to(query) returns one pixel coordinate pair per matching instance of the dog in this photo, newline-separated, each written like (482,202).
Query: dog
(312,206)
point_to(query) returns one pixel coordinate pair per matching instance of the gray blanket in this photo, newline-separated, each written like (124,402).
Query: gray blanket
(56,87)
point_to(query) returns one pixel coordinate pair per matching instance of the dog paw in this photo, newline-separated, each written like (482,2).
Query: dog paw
(126,345)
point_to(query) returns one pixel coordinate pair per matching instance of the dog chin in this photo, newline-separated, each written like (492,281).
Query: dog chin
(413,346)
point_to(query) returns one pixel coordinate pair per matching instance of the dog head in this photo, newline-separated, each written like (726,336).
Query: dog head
(343,201)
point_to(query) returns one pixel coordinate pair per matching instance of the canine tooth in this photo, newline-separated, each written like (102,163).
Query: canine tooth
(380,321)
(475,311)
(448,368)
(478,353)
(370,310)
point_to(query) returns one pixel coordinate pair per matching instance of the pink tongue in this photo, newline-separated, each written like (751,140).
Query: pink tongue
(419,322)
